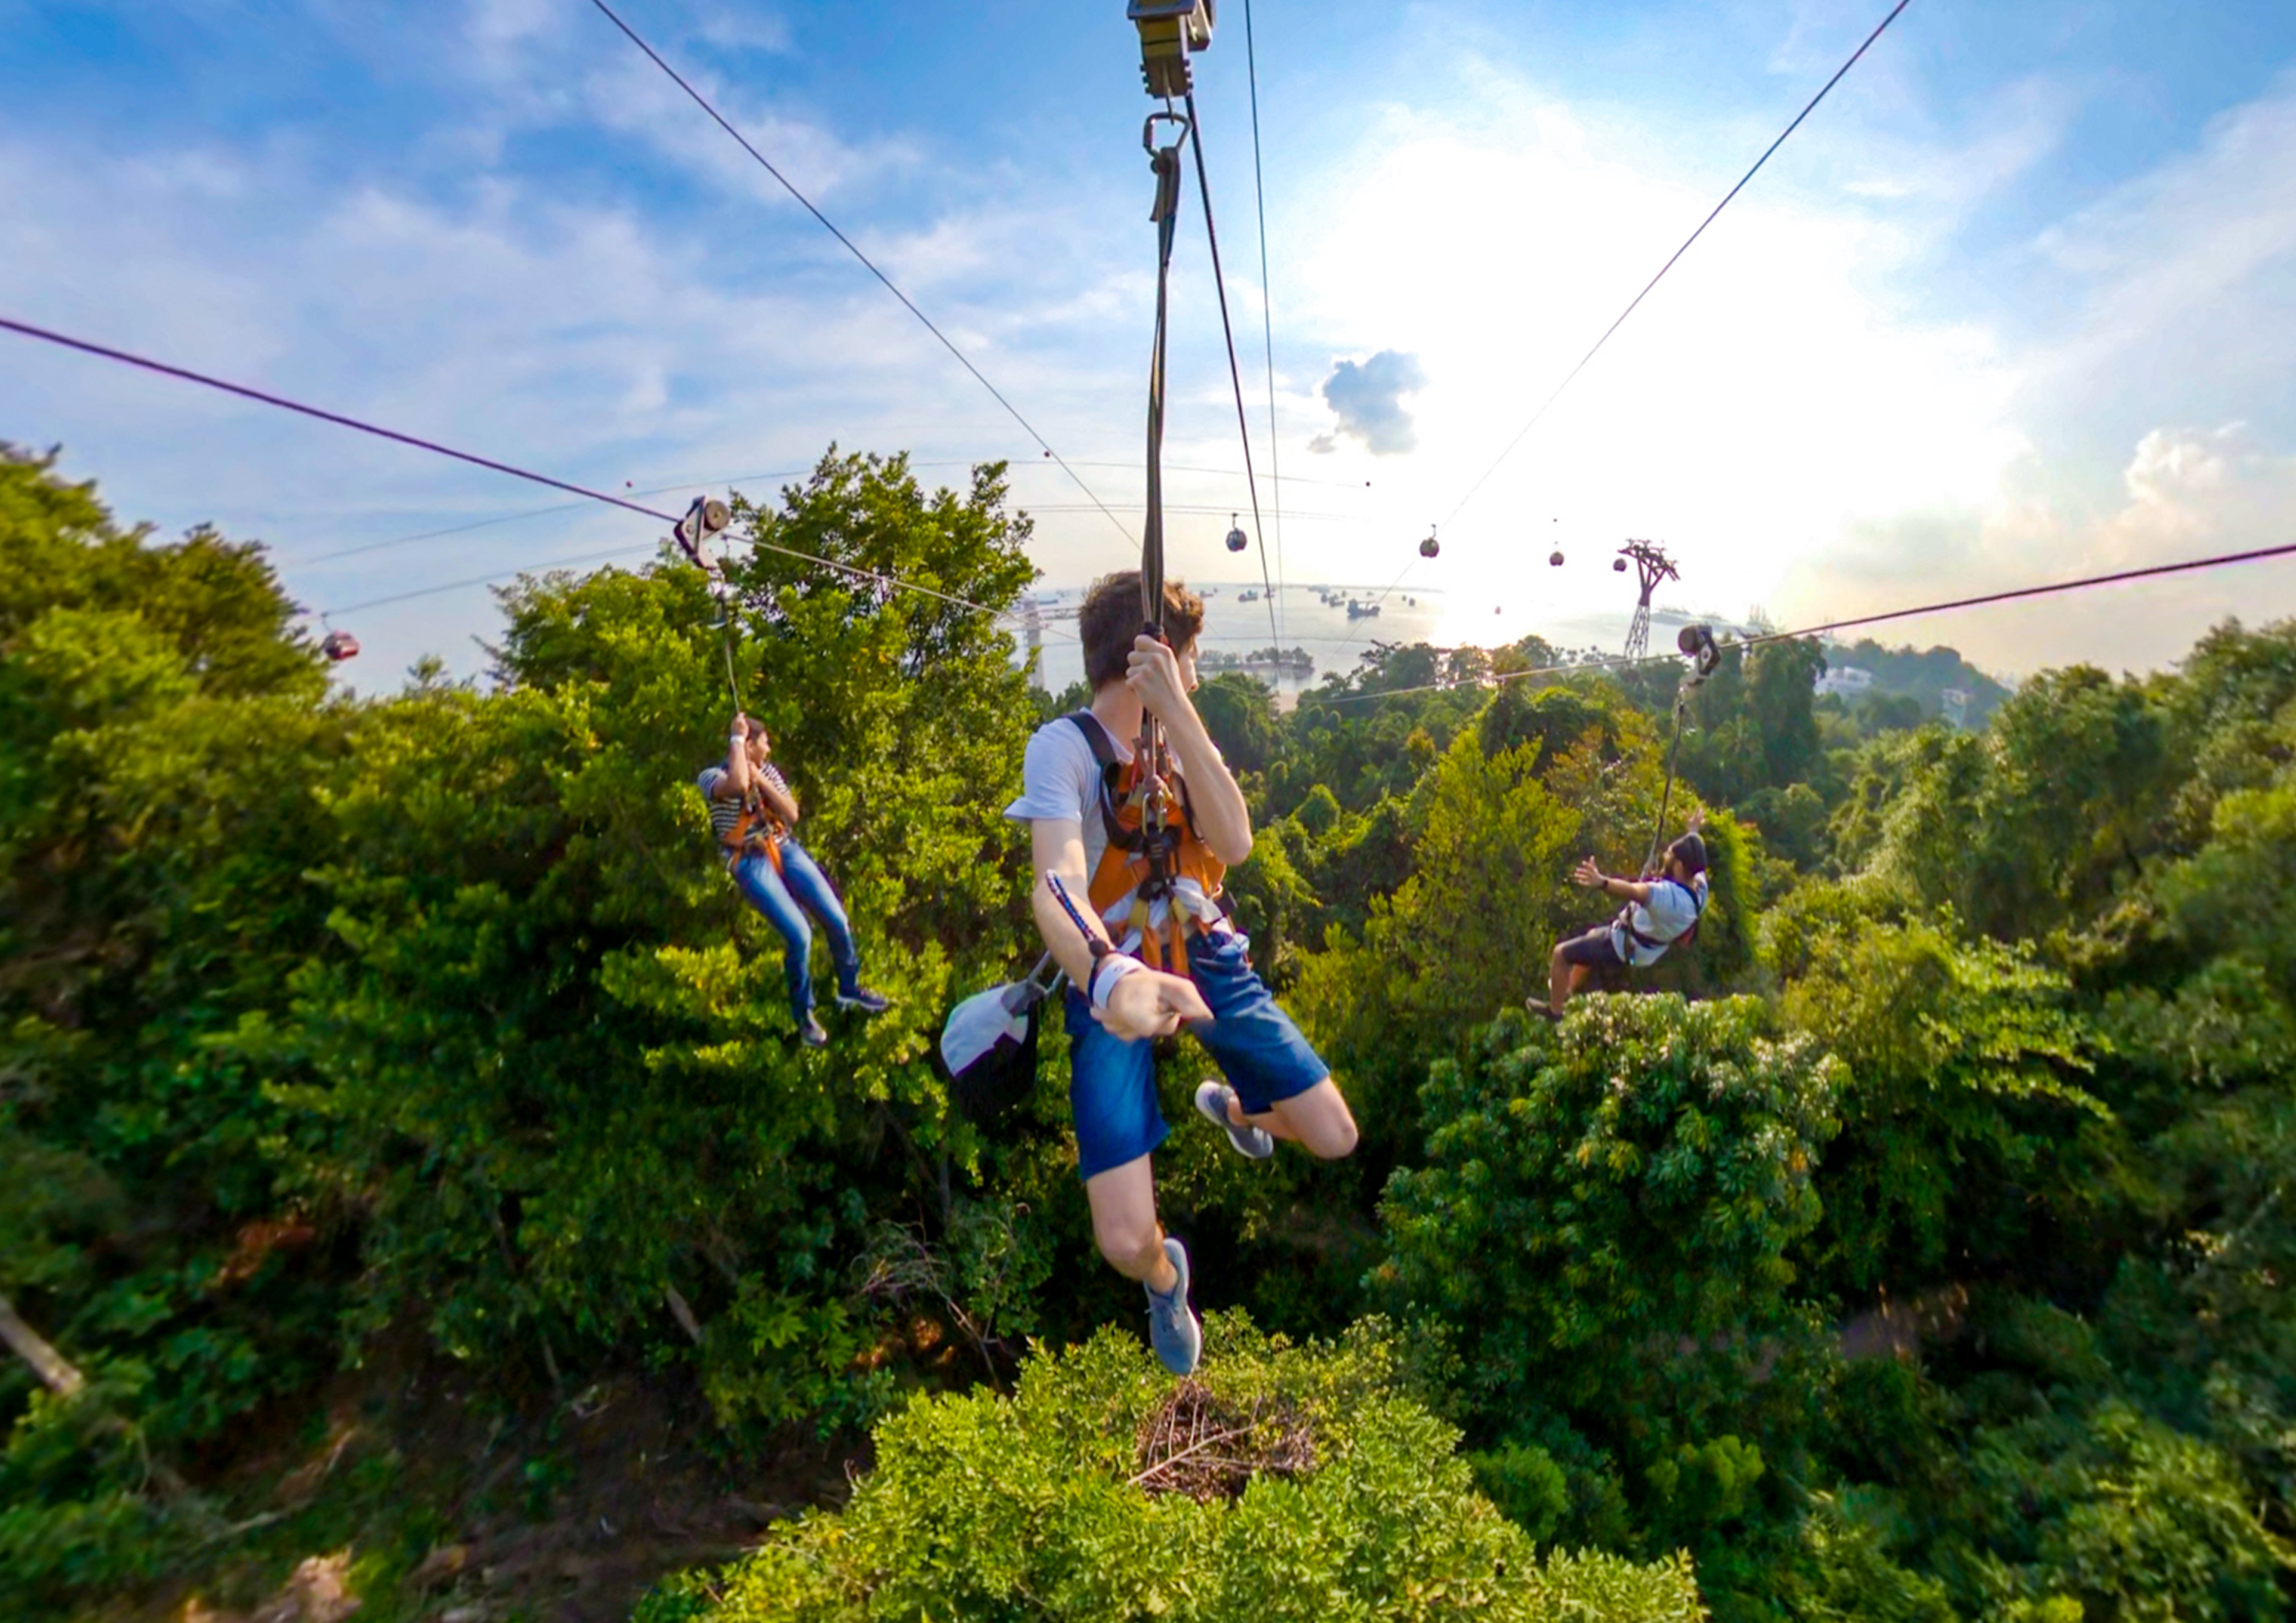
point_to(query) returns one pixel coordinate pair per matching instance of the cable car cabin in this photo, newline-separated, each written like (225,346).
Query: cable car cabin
(1555,558)
(1237,539)
(1430,547)
(339,646)
(1619,564)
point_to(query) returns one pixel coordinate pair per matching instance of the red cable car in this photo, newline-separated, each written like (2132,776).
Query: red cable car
(339,646)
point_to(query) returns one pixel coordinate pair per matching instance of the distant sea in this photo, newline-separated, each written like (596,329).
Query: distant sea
(1335,641)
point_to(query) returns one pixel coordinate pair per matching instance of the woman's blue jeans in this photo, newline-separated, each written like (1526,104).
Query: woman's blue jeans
(785,898)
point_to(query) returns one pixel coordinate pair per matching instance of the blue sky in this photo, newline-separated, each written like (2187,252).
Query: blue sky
(2016,303)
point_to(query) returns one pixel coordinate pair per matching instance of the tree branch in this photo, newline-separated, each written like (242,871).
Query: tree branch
(50,1365)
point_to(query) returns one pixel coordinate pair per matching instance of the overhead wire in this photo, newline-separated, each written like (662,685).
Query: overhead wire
(1176,467)
(1234,372)
(2118,576)
(531,512)
(962,360)
(65,341)
(1631,306)
(1267,304)
(283,403)
(1187,507)
(625,552)
(538,512)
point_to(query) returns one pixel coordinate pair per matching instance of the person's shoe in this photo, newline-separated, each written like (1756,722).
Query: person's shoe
(1542,1010)
(862,998)
(1173,1330)
(1212,1099)
(811,1033)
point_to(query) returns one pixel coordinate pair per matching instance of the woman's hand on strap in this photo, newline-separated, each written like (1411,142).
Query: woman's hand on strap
(1150,1003)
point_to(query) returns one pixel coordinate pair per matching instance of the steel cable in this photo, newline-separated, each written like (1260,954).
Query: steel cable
(2118,576)
(1234,372)
(285,404)
(717,118)
(1266,305)
(1677,255)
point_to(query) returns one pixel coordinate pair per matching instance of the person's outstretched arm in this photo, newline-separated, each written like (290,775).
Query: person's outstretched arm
(1132,1003)
(1220,817)
(1626,889)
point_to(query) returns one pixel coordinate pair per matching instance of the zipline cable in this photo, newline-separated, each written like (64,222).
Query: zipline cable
(539,513)
(1266,305)
(106,352)
(625,552)
(340,421)
(717,118)
(531,512)
(1617,661)
(1234,372)
(1678,254)
(1665,799)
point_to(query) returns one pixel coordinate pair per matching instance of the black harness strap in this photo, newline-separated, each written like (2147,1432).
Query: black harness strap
(1104,754)
(1625,920)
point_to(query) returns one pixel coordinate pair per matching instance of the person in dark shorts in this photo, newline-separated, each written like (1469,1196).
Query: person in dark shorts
(1658,911)
(1176,960)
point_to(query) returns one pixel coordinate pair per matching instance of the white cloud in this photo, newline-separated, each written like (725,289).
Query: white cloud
(577,340)
(2187,493)
(2186,276)
(1367,397)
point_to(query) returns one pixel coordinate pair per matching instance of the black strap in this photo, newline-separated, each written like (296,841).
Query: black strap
(1104,747)
(1697,910)
(1103,753)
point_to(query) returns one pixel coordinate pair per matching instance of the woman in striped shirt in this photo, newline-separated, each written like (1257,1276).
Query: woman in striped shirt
(752,812)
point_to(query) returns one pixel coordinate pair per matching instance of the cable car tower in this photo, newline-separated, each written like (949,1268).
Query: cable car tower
(1652,565)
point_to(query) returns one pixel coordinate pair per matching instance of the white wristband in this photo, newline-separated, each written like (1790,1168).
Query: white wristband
(1106,973)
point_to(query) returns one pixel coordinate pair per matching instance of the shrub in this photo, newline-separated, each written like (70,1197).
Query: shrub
(986,1507)
(1603,1232)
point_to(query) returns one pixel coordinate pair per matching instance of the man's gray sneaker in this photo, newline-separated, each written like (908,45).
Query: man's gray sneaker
(1212,1099)
(811,1033)
(1172,1327)
(862,998)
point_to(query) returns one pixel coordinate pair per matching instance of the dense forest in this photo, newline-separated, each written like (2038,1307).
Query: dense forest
(411,1195)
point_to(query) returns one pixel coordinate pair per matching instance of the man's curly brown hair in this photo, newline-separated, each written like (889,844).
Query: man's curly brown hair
(1111,619)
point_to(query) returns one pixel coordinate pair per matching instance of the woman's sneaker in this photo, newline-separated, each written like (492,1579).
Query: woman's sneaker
(1173,1330)
(811,1034)
(1212,1099)
(862,998)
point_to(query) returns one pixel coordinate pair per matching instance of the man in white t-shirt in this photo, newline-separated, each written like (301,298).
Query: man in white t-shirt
(1275,1086)
(1658,911)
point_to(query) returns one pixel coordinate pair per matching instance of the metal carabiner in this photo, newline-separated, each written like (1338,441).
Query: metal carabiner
(1166,114)
(1165,160)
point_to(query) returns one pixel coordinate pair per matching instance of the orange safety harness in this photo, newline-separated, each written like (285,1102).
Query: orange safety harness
(1152,854)
(755,830)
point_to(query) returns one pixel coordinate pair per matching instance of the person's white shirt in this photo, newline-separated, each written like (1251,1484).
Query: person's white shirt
(1060,780)
(1671,910)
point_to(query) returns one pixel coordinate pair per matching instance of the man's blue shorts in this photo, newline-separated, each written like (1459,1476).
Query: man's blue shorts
(1112,1080)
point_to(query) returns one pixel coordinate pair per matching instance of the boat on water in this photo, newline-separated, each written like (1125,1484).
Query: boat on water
(1362,611)
(1249,595)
